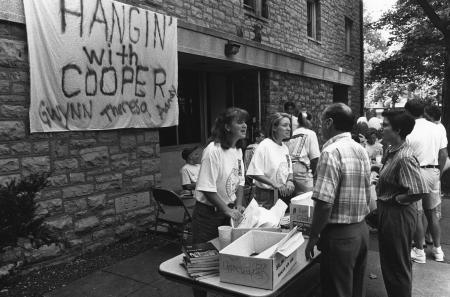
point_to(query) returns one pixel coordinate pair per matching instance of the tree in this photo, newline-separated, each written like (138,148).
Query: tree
(422,27)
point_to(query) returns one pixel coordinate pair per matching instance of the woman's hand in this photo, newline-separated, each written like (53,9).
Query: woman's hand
(234,214)
(287,189)
(240,208)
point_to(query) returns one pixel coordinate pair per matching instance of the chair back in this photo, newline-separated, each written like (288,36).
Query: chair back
(167,197)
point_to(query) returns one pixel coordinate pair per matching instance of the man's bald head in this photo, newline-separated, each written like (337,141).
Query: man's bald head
(342,115)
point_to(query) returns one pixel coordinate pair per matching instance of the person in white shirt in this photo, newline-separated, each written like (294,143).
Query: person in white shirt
(373,147)
(430,149)
(304,151)
(271,165)
(189,171)
(250,150)
(289,108)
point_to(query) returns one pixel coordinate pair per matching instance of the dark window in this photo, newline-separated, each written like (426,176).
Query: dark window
(348,35)
(313,19)
(259,8)
(188,129)
(340,93)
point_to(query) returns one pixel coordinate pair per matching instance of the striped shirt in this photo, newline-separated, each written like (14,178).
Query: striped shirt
(400,174)
(343,179)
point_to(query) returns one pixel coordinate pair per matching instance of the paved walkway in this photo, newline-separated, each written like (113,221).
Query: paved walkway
(139,277)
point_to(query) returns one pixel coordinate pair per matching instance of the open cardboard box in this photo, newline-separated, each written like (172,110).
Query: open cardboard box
(301,211)
(238,266)
(238,232)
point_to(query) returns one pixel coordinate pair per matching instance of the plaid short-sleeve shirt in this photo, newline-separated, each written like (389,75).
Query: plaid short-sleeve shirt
(401,174)
(343,179)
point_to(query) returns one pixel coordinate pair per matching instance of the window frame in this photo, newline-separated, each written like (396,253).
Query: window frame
(256,9)
(348,30)
(315,19)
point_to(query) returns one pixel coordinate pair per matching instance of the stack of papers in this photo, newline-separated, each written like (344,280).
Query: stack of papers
(256,216)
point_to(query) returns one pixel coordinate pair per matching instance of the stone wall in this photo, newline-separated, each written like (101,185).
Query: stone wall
(309,93)
(99,181)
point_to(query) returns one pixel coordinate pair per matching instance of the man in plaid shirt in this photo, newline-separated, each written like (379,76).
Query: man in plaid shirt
(342,194)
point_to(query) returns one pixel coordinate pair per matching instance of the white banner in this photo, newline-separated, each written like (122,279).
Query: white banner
(100,64)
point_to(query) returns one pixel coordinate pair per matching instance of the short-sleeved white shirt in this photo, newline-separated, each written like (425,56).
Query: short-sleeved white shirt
(294,120)
(221,172)
(426,140)
(303,146)
(272,161)
(443,132)
(189,174)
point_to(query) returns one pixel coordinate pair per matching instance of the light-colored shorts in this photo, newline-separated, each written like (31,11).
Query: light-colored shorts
(433,199)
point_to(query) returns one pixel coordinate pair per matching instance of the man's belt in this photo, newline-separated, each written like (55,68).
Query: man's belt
(430,166)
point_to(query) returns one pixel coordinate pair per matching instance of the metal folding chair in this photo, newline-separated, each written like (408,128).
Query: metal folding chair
(172,211)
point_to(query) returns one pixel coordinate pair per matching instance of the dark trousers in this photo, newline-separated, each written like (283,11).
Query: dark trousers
(205,221)
(343,262)
(395,234)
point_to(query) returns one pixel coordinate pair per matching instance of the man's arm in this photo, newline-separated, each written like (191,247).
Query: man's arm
(189,186)
(314,165)
(322,213)
(442,158)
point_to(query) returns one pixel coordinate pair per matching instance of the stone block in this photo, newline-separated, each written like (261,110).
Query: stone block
(66,164)
(58,180)
(120,164)
(96,201)
(13,111)
(5,86)
(44,252)
(95,157)
(108,212)
(60,223)
(125,230)
(150,165)
(13,53)
(132,202)
(11,130)
(4,150)
(20,88)
(33,165)
(145,151)
(75,206)
(49,206)
(151,136)
(108,221)
(61,148)
(41,147)
(108,137)
(16,99)
(108,177)
(86,224)
(50,194)
(102,233)
(82,143)
(8,165)
(127,142)
(142,183)
(77,177)
(4,179)
(132,172)
(21,148)
(79,190)
(108,186)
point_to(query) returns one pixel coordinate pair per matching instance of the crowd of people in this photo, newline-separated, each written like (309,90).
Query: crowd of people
(407,149)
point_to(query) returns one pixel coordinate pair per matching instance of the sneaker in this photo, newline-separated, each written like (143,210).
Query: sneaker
(418,255)
(438,254)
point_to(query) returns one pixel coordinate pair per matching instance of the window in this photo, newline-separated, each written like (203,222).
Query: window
(259,8)
(348,35)
(313,19)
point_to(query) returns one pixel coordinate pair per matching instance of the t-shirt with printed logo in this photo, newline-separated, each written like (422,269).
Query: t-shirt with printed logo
(221,172)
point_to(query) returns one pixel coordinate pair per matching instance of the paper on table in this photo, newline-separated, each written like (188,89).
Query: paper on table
(289,244)
(256,216)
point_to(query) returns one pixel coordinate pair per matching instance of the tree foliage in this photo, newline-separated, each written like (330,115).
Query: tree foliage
(421,57)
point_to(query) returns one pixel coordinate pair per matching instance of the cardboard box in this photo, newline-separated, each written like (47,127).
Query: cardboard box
(238,232)
(238,266)
(301,210)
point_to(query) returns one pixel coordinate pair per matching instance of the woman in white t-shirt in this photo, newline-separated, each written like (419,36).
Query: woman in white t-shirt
(304,151)
(271,165)
(219,189)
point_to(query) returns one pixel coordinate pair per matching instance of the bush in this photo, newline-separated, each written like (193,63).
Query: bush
(18,209)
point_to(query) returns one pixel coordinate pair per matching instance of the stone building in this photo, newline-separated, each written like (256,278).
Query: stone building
(255,54)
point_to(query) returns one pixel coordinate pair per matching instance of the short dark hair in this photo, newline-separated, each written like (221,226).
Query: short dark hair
(400,121)
(301,119)
(342,115)
(434,112)
(415,107)
(289,104)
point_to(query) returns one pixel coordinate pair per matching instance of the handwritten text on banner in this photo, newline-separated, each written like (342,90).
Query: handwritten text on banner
(100,64)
